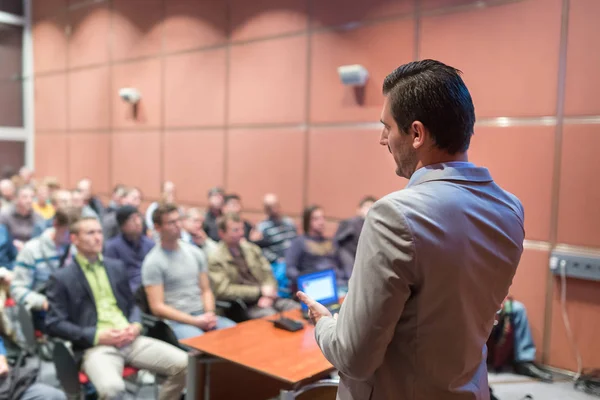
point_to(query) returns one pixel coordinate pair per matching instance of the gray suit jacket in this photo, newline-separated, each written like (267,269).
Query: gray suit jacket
(434,263)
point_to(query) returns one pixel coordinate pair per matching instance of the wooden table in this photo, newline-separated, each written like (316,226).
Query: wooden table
(289,357)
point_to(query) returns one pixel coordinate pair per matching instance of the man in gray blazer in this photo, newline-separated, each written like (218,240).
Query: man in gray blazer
(435,260)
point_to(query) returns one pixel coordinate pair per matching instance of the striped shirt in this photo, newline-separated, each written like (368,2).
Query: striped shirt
(277,236)
(38,259)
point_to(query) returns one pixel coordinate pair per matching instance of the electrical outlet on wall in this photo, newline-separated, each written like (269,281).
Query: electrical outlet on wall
(581,266)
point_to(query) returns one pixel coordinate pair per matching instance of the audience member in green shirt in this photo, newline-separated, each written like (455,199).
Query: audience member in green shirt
(92,306)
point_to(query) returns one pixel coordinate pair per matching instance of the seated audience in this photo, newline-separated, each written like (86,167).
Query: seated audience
(232,204)
(239,270)
(348,233)
(512,320)
(167,196)
(26,176)
(78,201)
(313,251)
(116,199)
(7,193)
(61,198)
(193,232)
(39,258)
(277,230)
(110,227)
(91,305)
(53,185)
(85,188)
(215,210)
(37,391)
(20,220)
(176,282)
(42,204)
(133,197)
(130,246)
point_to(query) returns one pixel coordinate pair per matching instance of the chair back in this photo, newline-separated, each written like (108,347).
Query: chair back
(26,322)
(67,370)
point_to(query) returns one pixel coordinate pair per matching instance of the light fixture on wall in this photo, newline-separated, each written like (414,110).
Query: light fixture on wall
(354,76)
(131,96)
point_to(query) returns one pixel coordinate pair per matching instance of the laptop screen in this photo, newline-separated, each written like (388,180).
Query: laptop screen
(321,286)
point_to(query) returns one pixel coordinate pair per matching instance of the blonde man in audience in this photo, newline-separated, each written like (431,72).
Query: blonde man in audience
(91,305)
(42,204)
(61,198)
(239,270)
(193,231)
(53,185)
(85,188)
(133,197)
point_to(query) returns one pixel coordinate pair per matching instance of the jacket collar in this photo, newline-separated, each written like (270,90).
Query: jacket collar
(225,254)
(82,279)
(450,171)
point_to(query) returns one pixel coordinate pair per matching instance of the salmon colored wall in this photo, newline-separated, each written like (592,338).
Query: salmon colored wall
(245,94)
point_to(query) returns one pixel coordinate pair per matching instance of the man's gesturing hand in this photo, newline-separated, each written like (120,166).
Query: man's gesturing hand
(316,311)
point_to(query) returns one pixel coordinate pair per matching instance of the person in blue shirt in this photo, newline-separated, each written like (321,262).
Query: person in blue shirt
(37,391)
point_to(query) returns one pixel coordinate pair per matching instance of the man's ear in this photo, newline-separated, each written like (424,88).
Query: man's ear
(419,134)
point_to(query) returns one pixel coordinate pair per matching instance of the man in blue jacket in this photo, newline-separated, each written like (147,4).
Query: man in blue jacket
(92,306)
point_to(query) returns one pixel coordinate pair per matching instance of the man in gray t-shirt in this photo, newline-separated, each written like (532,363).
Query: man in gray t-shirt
(174,276)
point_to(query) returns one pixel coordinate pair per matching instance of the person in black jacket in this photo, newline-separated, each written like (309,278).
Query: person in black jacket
(92,306)
(348,233)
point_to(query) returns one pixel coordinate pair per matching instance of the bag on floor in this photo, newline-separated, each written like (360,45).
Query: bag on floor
(20,378)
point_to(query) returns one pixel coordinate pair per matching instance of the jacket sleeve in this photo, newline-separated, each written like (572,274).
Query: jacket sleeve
(225,289)
(8,252)
(267,271)
(134,315)
(110,250)
(380,286)
(23,281)
(58,320)
(132,311)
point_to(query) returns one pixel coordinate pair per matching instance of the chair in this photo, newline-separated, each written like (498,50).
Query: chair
(154,327)
(37,343)
(236,310)
(325,389)
(73,380)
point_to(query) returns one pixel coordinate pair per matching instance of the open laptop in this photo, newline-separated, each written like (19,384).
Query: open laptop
(322,287)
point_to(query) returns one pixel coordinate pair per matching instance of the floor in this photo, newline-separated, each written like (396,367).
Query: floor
(506,386)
